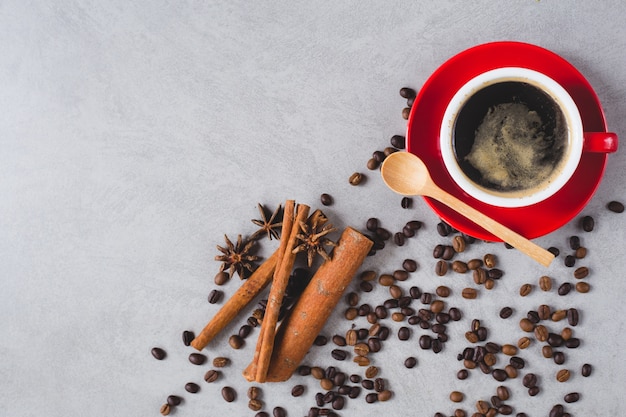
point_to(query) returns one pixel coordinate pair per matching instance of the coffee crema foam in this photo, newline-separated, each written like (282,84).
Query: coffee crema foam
(512,150)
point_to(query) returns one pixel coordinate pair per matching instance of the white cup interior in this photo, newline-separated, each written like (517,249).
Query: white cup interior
(574,140)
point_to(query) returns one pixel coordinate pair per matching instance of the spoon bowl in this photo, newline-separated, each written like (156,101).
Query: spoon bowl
(406,174)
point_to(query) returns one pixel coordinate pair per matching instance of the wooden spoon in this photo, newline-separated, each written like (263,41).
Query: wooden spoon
(406,174)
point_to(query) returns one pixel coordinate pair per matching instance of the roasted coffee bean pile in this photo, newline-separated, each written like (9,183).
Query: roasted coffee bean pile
(425,318)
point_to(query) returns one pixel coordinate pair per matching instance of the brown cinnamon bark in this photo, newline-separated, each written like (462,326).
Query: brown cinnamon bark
(297,333)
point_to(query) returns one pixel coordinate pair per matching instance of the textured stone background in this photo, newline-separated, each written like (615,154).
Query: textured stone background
(134,135)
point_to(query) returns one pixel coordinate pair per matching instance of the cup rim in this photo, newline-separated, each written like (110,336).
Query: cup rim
(551,87)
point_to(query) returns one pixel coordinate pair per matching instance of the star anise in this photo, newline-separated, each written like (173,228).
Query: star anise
(269,226)
(237,258)
(313,237)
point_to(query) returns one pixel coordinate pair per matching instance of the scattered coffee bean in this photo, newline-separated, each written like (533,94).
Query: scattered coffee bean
(174,400)
(574,242)
(158,353)
(572,397)
(469,293)
(586,370)
(499,374)
(525,289)
(587,223)
(165,409)
(443,229)
(244,331)
(221,278)
(572,316)
(456,396)
(555,251)
(399,239)
(581,272)
(616,207)
(192,387)
(220,361)
(580,252)
(211,375)
(506,312)
(441,268)
(458,243)
(407,92)
(404,333)
(529,380)
(320,340)
(297,390)
(188,337)
(279,412)
(582,287)
(229,394)
(339,355)
(197,358)
(235,341)
(406,202)
(409,265)
(410,362)
(326,199)
(523,342)
(215,296)
(564,288)
(398,141)
(562,375)
(459,267)
(545,283)
(356,178)
(569,261)
(372,224)
(255,405)
(406,112)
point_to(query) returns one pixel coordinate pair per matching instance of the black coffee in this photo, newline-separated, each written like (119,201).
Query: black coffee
(510,137)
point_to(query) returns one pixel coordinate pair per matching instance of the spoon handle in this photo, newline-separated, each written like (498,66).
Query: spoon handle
(514,239)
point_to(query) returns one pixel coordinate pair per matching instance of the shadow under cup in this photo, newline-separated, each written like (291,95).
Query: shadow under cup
(510,139)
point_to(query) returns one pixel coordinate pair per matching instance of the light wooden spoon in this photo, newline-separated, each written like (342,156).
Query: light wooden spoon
(406,174)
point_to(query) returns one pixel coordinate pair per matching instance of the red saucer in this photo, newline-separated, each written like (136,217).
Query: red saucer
(427,112)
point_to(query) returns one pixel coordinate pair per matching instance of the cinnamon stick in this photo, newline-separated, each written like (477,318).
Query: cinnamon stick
(257,370)
(298,332)
(244,294)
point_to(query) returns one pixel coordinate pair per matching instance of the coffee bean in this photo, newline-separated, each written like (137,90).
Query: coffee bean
(455,314)
(456,396)
(469,293)
(616,207)
(545,283)
(525,289)
(580,253)
(192,387)
(404,333)
(279,412)
(564,288)
(462,374)
(562,375)
(529,380)
(459,244)
(407,92)
(448,253)
(459,267)
(165,409)
(197,358)
(425,341)
(320,340)
(572,343)
(326,384)
(572,316)
(541,333)
(398,141)
(533,316)
(443,229)
(574,242)
(399,239)
(297,390)
(373,343)
(505,410)
(480,276)
(211,375)
(517,362)
(318,373)
(506,312)
(406,202)
(366,286)
(244,331)
(547,351)
(558,315)
(441,268)
(509,349)
(158,353)
(255,405)
(410,362)
(499,374)
(532,391)
(587,223)
(339,354)
(372,164)
(555,340)
(581,272)
(544,312)
(338,403)
(235,341)
(372,397)
(326,199)
(372,224)
(220,361)
(569,261)
(215,296)
(409,265)
(503,393)
(442,291)
(383,233)
(555,251)
(356,178)
(174,400)
(523,342)
(586,370)
(558,357)
(572,397)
